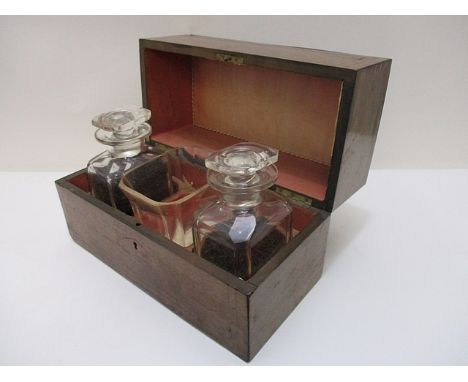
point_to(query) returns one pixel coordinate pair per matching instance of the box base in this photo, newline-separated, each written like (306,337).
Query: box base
(240,315)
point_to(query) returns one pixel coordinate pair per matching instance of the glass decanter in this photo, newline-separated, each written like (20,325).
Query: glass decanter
(124,132)
(248,224)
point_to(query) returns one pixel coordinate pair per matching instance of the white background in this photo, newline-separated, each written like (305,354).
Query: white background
(56,73)
(395,283)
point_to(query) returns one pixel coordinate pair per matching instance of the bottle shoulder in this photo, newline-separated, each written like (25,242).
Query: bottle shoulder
(109,166)
(273,209)
(213,213)
(99,158)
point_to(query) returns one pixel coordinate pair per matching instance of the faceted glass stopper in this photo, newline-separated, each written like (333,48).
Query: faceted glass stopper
(242,159)
(122,125)
(243,167)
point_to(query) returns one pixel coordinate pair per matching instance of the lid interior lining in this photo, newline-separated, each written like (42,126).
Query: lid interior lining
(202,104)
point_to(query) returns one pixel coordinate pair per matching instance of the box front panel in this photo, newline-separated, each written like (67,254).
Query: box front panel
(217,309)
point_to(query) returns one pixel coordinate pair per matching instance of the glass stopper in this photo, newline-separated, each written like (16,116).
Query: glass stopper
(122,125)
(242,159)
(242,167)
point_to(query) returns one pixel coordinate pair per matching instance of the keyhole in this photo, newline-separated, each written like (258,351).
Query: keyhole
(135,245)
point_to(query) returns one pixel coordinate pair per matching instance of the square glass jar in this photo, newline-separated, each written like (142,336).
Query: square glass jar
(166,192)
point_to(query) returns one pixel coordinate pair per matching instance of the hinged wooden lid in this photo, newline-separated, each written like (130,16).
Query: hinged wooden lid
(320,109)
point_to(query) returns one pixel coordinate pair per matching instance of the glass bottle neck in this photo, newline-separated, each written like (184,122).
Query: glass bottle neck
(242,201)
(126,150)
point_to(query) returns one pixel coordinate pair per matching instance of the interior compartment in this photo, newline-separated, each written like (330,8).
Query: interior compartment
(204,105)
(301,217)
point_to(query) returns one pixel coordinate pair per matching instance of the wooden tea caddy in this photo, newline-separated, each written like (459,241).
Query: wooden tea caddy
(321,109)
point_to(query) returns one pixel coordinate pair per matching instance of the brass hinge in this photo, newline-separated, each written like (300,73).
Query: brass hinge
(230,59)
(299,199)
